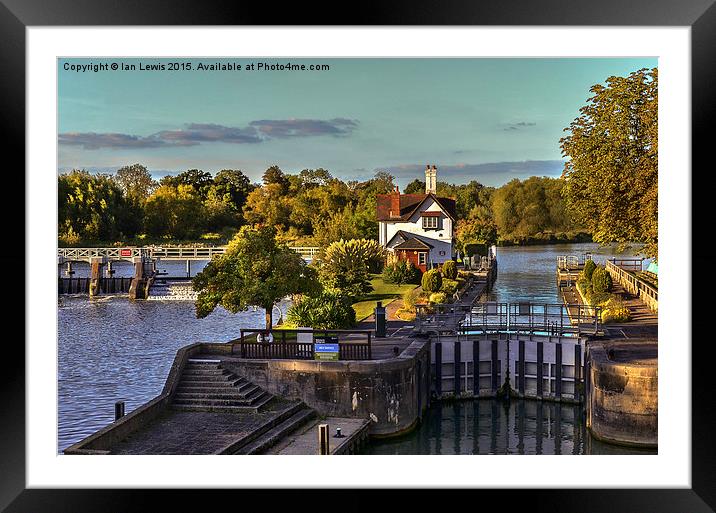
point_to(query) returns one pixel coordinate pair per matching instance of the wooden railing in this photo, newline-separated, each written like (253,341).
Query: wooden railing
(632,284)
(287,344)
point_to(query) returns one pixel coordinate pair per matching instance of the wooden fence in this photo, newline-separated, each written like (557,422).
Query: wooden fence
(287,344)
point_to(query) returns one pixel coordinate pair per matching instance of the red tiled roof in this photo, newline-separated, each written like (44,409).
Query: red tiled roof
(409,204)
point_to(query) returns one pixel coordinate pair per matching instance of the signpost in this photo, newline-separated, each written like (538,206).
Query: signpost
(327,350)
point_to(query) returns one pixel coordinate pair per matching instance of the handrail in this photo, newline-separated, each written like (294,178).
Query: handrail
(634,284)
(524,317)
(162,252)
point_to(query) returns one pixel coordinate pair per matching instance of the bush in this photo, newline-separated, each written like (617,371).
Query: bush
(601,280)
(449,269)
(615,311)
(401,272)
(589,267)
(327,310)
(345,265)
(449,286)
(438,298)
(432,281)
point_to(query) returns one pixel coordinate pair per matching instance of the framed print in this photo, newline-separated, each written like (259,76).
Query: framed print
(426,240)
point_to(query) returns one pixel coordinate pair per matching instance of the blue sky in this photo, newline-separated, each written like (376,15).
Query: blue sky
(486,119)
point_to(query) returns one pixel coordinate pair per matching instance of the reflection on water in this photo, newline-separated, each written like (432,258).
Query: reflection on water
(112,349)
(527,273)
(491,426)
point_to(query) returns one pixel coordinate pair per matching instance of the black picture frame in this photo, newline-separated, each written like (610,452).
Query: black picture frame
(700,15)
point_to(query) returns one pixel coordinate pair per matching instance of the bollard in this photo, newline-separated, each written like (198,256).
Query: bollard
(379,320)
(118,410)
(323,447)
(338,433)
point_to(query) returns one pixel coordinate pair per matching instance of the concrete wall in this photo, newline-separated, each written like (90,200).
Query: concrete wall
(622,392)
(392,393)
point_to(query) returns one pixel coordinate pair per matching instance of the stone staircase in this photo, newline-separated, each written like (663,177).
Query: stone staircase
(262,439)
(206,386)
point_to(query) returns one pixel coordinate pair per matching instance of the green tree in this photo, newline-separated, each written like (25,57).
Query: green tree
(233,185)
(200,180)
(611,178)
(92,208)
(345,266)
(136,182)
(174,212)
(256,270)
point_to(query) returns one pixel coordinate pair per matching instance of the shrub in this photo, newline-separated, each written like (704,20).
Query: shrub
(449,269)
(409,300)
(601,280)
(345,265)
(615,311)
(328,310)
(432,281)
(589,267)
(401,272)
(437,298)
(449,286)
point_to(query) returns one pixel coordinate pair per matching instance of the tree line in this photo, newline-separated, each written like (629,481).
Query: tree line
(311,207)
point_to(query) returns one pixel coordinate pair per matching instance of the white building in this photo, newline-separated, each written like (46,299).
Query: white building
(419,228)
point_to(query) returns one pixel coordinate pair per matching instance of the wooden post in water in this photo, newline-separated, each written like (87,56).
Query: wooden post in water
(96,264)
(438,368)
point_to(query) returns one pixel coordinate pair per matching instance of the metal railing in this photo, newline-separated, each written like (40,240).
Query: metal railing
(287,344)
(633,284)
(628,264)
(160,252)
(521,317)
(573,261)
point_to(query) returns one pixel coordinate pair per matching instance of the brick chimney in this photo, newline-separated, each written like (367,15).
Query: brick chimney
(431,180)
(395,203)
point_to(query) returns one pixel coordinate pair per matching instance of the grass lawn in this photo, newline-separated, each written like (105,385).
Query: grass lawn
(382,291)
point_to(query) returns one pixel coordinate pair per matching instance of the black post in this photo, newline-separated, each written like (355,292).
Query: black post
(558,370)
(476,368)
(457,367)
(495,385)
(118,410)
(577,370)
(540,371)
(438,368)
(380,324)
(521,366)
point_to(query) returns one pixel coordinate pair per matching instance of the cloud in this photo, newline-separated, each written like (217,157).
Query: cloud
(193,134)
(518,126)
(284,128)
(493,173)
(94,141)
(197,133)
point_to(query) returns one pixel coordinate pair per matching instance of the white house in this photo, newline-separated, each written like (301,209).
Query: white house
(417,227)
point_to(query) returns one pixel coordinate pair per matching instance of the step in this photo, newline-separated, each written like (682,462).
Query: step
(212,387)
(202,360)
(288,412)
(207,377)
(236,401)
(206,372)
(274,435)
(180,396)
(255,407)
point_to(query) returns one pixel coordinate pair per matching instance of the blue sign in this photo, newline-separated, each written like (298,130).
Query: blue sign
(325,351)
(326,348)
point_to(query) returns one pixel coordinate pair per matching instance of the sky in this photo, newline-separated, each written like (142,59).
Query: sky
(489,120)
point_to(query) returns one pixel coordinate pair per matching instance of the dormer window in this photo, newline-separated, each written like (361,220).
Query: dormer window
(431,220)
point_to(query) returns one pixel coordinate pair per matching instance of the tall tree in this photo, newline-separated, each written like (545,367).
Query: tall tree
(136,182)
(611,178)
(256,270)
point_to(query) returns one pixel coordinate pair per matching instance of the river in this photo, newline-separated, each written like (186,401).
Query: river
(111,349)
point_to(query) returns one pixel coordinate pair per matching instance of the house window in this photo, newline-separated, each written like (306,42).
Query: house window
(430,222)
(422,258)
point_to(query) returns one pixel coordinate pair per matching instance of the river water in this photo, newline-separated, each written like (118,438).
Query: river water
(111,349)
